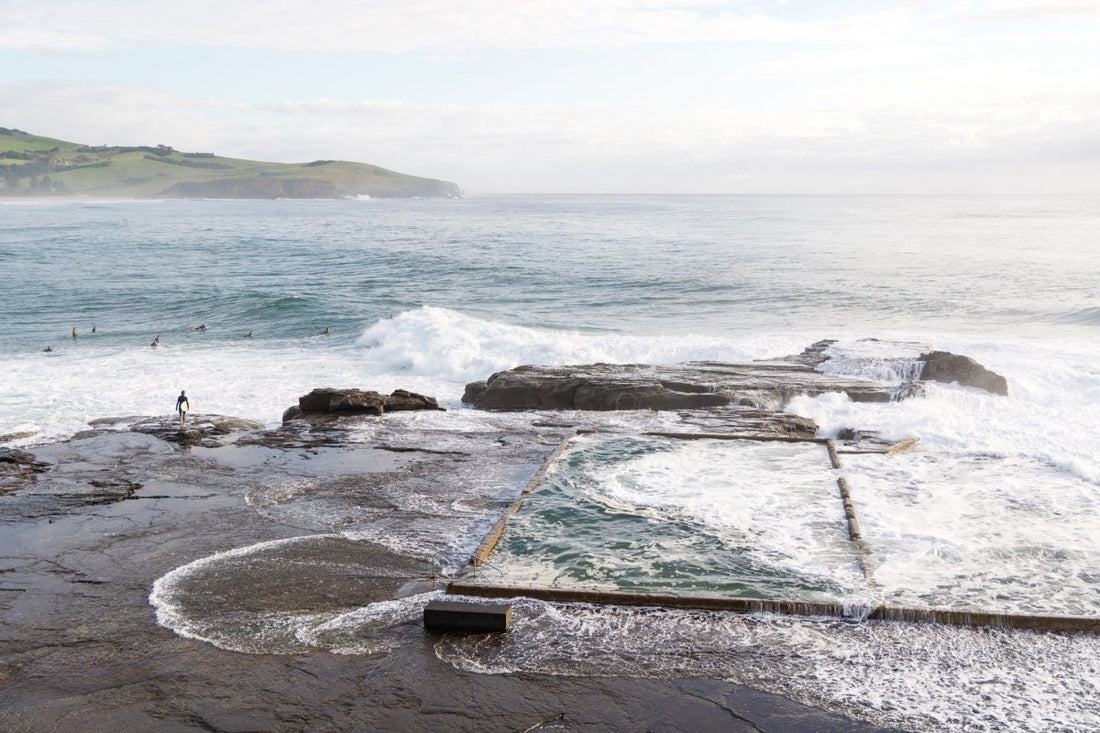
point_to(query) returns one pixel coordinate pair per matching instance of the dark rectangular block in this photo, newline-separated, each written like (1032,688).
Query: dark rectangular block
(463,616)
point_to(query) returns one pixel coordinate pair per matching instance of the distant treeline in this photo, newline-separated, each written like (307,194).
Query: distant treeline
(190,163)
(26,154)
(33,176)
(40,163)
(116,149)
(35,183)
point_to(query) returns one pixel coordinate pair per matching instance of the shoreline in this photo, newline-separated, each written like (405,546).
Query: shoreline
(81,642)
(325,537)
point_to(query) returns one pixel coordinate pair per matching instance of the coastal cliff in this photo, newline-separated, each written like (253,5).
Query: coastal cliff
(31,165)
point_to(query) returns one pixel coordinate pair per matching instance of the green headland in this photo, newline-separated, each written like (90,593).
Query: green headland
(31,165)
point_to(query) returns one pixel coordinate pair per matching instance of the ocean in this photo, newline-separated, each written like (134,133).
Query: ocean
(257,302)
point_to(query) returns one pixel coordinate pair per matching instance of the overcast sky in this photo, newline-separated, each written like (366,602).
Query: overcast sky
(633,96)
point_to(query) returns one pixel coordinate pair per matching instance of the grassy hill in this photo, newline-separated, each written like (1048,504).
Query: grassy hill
(40,166)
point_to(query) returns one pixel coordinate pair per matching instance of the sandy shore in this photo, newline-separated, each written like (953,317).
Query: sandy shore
(80,647)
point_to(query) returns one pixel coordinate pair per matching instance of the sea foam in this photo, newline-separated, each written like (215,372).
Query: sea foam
(431,350)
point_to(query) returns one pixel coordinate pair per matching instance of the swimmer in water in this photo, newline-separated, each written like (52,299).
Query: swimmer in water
(74,331)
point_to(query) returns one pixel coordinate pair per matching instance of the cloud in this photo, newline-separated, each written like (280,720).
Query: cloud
(419,26)
(1031,10)
(108,114)
(884,146)
(683,95)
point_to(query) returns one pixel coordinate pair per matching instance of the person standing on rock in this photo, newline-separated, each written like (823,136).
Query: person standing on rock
(182,406)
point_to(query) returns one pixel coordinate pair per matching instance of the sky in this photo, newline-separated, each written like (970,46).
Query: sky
(571,96)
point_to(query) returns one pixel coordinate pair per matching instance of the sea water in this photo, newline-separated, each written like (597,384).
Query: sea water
(997,506)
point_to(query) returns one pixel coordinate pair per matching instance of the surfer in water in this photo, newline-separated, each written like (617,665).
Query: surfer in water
(156,341)
(180,402)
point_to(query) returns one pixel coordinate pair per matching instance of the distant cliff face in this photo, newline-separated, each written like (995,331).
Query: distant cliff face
(253,188)
(302,188)
(429,187)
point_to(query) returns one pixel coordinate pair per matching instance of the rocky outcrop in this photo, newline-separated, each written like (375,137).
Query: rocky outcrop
(205,430)
(595,387)
(943,366)
(20,458)
(400,400)
(695,385)
(339,402)
(327,401)
(19,466)
(764,385)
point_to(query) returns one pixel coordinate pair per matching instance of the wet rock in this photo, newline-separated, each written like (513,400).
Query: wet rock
(943,366)
(596,387)
(815,354)
(401,399)
(20,435)
(853,435)
(117,421)
(168,427)
(101,491)
(225,425)
(326,401)
(695,385)
(910,390)
(206,430)
(21,459)
(19,467)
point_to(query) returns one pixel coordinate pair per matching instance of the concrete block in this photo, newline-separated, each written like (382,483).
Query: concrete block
(462,616)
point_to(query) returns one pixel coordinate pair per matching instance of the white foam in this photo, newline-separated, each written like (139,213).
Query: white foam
(429,350)
(446,344)
(889,362)
(979,532)
(367,630)
(889,674)
(775,500)
(243,632)
(1049,415)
